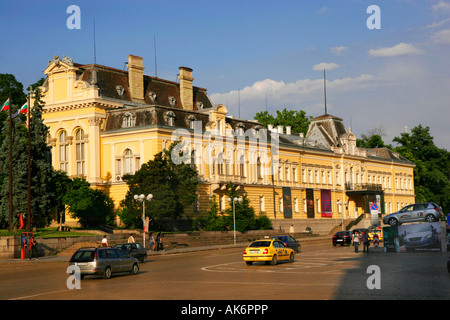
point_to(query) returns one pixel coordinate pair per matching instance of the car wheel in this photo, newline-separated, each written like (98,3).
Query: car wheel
(291,257)
(135,269)
(274,260)
(143,259)
(430,218)
(107,273)
(249,263)
(393,222)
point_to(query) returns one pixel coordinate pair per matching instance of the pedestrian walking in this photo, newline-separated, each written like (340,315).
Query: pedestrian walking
(355,241)
(366,242)
(33,248)
(104,241)
(151,240)
(131,239)
(159,242)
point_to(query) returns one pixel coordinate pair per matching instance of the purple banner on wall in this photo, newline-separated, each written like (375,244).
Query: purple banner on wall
(325,203)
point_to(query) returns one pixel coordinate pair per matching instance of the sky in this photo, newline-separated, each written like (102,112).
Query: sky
(260,55)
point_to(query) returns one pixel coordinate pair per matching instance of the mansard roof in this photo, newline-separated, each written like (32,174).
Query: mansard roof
(113,84)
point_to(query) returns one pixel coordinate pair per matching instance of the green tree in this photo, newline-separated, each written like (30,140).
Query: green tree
(92,207)
(432,171)
(298,120)
(373,141)
(173,186)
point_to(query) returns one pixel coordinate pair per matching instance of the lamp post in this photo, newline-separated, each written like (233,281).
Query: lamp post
(339,203)
(234,215)
(142,198)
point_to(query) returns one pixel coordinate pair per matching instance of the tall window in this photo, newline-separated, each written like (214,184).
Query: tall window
(79,152)
(63,151)
(128,161)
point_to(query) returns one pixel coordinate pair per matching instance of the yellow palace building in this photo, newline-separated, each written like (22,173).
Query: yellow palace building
(105,122)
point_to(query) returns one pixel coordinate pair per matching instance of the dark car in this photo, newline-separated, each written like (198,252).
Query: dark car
(136,250)
(289,242)
(103,261)
(342,237)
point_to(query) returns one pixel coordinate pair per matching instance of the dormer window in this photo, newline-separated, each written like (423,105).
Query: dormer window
(120,90)
(170,118)
(172,101)
(128,120)
(152,97)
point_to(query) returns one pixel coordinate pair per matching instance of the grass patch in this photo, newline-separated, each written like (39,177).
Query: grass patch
(47,233)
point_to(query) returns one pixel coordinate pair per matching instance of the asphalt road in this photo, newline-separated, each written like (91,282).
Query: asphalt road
(319,272)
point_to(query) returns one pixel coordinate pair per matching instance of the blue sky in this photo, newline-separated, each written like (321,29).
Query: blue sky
(273,52)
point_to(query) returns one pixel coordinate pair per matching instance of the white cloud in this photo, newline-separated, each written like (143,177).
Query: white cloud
(338,50)
(397,50)
(442,6)
(307,93)
(441,37)
(326,66)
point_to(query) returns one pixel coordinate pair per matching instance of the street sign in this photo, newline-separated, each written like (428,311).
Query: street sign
(374,206)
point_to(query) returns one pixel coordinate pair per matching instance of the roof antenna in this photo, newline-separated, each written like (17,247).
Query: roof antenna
(95,51)
(325,91)
(154,46)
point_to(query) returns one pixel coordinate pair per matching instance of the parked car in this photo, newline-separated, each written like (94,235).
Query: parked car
(427,211)
(289,242)
(134,249)
(267,250)
(104,261)
(342,237)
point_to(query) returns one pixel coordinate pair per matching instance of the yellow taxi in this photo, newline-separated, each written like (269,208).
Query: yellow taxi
(379,232)
(267,250)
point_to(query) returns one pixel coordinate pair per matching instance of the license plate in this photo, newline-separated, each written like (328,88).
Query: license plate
(254,251)
(81,264)
(339,240)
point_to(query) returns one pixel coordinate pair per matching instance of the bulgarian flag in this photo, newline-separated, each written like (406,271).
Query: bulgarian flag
(5,106)
(23,109)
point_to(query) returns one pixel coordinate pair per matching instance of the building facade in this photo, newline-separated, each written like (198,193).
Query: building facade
(106,122)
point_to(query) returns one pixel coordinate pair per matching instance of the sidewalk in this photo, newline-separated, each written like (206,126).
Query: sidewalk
(66,258)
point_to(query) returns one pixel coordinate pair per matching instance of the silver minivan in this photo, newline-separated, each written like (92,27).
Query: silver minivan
(104,261)
(427,211)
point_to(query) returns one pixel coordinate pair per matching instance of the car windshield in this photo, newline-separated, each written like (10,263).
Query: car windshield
(83,256)
(421,227)
(258,244)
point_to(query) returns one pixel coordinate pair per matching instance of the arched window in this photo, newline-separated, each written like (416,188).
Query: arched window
(128,161)
(79,152)
(220,165)
(63,151)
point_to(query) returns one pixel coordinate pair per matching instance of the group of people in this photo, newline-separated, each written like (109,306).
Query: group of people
(155,244)
(30,245)
(358,238)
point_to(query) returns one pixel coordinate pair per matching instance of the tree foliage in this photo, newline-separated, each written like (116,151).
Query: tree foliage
(173,186)
(297,119)
(92,207)
(244,215)
(432,171)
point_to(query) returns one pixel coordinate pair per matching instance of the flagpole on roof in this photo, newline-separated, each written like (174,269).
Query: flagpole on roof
(11,208)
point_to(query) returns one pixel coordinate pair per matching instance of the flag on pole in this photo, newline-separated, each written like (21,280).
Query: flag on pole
(23,109)
(5,106)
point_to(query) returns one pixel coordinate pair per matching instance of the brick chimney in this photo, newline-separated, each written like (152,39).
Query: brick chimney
(186,92)
(136,78)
